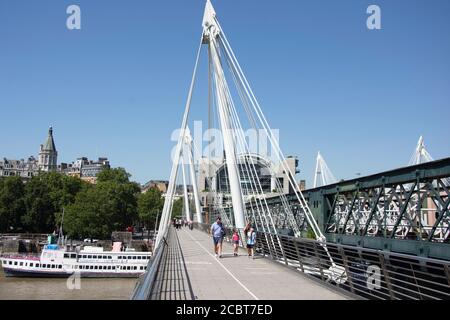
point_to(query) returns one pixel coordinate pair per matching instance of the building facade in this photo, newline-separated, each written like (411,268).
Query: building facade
(47,161)
(213,183)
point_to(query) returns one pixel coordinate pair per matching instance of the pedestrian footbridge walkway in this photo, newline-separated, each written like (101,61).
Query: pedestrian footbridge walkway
(202,276)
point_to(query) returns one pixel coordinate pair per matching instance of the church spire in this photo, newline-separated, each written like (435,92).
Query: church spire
(50,143)
(48,155)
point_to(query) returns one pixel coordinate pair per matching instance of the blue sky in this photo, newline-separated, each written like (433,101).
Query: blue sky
(117,87)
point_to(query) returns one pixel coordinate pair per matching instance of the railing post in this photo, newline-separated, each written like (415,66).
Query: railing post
(300,263)
(283,250)
(322,276)
(347,269)
(386,275)
(447,273)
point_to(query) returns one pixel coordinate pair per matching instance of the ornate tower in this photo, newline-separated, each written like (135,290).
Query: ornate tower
(48,155)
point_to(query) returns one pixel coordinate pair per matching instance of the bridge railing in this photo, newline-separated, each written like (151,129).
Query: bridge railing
(368,273)
(145,284)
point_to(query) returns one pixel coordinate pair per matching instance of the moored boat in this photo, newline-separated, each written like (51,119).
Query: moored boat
(56,261)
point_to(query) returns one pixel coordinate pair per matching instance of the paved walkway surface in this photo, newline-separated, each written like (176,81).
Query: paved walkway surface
(234,278)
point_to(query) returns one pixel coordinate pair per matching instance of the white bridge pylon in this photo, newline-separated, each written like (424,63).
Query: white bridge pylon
(420,154)
(248,199)
(323,175)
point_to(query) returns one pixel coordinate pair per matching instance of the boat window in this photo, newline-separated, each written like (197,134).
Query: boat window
(129,257)
(109,267)
(113,267)
(66,255)
(73,256)
(95,267)
(15,263)
(10,262)
(31,264)
(53,266)
(109,257)
(21,264)
(134,257)
(60,266)
(119,257)
(89,257)
(94,257)
(91,267)
(135,267)
(139,257)
(37,265)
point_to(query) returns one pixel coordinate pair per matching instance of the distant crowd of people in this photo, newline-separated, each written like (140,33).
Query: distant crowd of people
(178,223)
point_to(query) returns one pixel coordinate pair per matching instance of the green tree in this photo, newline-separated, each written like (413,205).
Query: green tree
(12,205)
(110,205)
(40,215)
(177,208)
(118,175)
(45,197)
(150,205)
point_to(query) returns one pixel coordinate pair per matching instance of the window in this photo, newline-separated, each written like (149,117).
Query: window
(129,257)
(96,267)
(134,257)
(15,263)
(139,257)
(37,265)
(53,266)
(110,257)
(21,264)
(135,267)
(84,256)
(109,267)
(31,264)
(141,267)
(94,257)
(66,255)
(60,266)
(73,256)
(91,267)
(119,257)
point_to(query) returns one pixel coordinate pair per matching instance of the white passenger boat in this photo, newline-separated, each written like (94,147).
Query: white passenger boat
(55,261)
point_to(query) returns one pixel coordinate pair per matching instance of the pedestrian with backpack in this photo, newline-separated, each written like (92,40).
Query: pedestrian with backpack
(251,241)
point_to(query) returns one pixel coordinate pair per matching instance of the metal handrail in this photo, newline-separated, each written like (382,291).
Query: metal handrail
(365,272)
(144,286)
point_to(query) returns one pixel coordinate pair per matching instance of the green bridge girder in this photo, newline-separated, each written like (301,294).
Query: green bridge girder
(404,196)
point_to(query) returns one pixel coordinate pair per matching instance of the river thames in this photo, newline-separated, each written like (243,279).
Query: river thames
(16,288)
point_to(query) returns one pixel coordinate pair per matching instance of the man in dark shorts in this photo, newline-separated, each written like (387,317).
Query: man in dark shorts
(218,232)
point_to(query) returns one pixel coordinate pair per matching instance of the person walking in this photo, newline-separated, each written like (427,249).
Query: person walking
(217,232)
(251,241)
(235,240)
